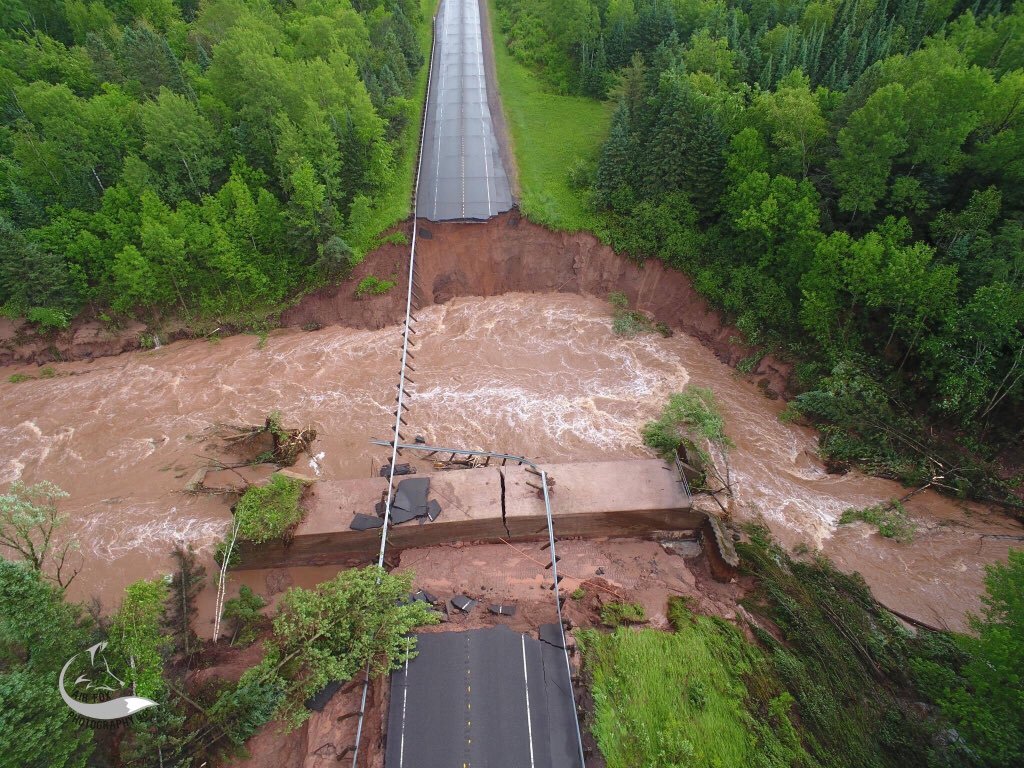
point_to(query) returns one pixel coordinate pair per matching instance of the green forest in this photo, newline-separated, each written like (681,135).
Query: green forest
(843,177)
(202,159)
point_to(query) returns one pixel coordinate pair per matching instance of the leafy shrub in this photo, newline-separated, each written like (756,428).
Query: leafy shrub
(360,617)
(137,636)
(581,174)
(630,323)
(17,378)
(49,319)
(221,550)
(269,511)
(986,704)
(47,372)
(749,363)
(693,413)
(243,613)
(242,709)
(39,632)
(889,517)
(373,286)
(615,614)
(618,300)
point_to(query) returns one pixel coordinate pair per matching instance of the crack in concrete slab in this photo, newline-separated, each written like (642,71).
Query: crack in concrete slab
(504,522)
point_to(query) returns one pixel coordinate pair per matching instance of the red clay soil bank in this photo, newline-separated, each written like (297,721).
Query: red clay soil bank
(509,254)
(503,255)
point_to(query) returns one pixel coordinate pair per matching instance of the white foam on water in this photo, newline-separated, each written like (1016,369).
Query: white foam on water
(126,528)
(316,462)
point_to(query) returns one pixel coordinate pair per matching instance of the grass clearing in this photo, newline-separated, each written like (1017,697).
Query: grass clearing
(616,614)
(550,133)
(825,684)
(677,698)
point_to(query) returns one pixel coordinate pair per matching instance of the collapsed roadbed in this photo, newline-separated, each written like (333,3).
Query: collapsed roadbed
(632,498)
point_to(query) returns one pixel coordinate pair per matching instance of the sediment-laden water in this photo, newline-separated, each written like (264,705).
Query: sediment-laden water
(541,375)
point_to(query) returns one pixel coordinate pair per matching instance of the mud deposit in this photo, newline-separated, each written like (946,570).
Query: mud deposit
(540,375)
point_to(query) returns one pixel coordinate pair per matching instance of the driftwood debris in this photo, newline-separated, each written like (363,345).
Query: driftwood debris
(249,452)
(269,443)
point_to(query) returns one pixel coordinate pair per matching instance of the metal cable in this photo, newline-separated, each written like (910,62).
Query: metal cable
(401,372)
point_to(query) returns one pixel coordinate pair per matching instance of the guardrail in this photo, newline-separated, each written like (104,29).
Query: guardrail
(424,448)
(402,375)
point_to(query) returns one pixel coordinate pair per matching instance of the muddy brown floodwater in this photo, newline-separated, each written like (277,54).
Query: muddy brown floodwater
(534,374)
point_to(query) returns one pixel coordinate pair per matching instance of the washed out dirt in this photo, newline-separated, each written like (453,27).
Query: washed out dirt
(506,254)
(534,374)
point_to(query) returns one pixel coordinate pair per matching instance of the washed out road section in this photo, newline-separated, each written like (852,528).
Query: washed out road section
(462,174)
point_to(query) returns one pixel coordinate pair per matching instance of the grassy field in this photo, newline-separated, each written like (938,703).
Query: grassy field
(827,689)
(677,698)
(395,203)
(549,133)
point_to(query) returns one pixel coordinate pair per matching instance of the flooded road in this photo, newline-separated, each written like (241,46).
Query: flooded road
(539,375)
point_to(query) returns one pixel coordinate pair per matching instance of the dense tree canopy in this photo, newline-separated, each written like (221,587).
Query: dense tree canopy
(39,632)
(842,176)
(205,158)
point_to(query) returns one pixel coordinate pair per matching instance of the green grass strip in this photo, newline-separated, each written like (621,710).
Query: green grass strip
(549,133)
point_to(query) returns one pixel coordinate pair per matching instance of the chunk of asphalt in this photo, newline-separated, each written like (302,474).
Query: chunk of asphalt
(422,596)
(400,469)
(550,634)
(363,522)
(502,610)
(399,515)
(433,509)
(411,494)
(318,701)
(463,603)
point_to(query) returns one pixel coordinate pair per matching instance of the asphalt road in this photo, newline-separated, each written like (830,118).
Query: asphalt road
(461,174)
(487,698)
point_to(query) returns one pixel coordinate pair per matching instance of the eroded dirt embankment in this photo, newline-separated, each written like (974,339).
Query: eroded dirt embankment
(511,254)
(506,254)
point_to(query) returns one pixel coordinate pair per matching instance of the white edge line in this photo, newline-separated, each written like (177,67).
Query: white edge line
(405,699)
(526,688)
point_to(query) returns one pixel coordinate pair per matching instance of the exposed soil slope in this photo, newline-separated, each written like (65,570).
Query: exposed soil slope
(511,254)
(505,254)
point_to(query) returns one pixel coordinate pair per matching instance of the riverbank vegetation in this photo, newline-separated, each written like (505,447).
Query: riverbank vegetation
(843,179)
(358,619)
(31,527)
(827,677)
(203,160)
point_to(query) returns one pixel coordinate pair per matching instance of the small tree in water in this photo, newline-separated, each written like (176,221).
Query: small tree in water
(692,417)
(29,525)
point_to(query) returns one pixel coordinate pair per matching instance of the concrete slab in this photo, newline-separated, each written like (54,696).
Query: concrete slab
(616,498)
(611,498)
